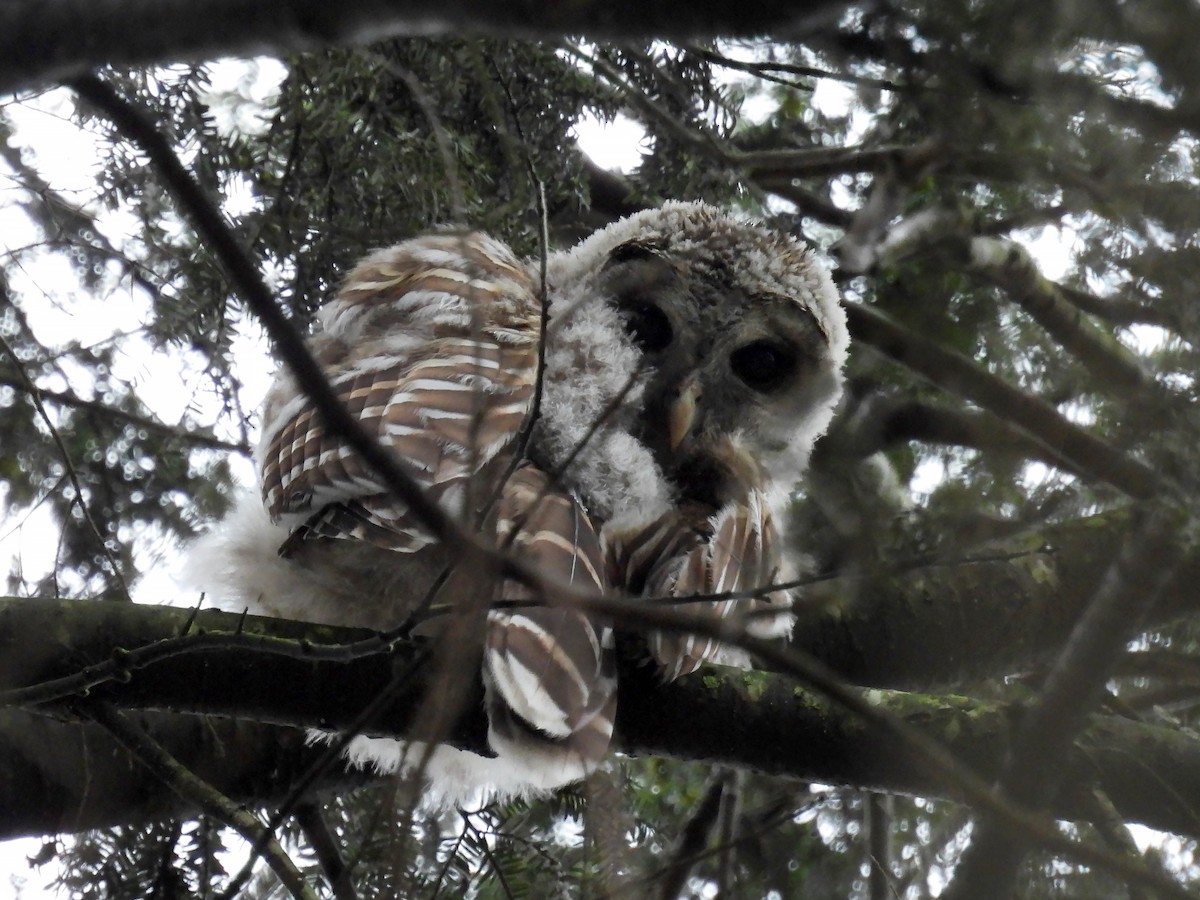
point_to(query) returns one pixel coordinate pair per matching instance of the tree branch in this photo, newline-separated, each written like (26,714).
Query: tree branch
(914,420)
(750,720)
(43,40)
(944,621)
(958,374)
(179,779)
(1072,687)
(1007,265)
(766,164)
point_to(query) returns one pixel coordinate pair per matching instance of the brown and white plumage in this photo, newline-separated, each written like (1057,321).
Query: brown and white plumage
(432,346)
(691,361)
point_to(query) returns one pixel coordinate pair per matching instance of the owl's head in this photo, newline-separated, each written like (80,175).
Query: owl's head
(727,337)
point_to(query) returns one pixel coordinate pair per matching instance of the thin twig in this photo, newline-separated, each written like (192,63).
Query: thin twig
(763,68)
(535,405)
(324,843)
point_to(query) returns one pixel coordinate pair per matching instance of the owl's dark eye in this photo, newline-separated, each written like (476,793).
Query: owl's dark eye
(763,365)
(648,326)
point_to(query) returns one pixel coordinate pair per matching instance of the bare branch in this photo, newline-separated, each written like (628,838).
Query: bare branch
(1009,266)
(807,202)
(768,71)
(1124,310)
(914,420)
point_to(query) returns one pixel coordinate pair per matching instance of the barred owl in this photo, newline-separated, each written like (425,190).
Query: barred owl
(690,361)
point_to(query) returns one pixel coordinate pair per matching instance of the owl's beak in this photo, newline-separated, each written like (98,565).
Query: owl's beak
(681,412)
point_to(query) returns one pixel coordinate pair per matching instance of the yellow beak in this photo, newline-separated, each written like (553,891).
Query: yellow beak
(681,414)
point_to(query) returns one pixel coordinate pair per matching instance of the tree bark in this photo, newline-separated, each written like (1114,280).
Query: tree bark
(58,775)
(1006,608)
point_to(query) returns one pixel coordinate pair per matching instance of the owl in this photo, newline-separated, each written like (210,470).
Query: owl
(638,442)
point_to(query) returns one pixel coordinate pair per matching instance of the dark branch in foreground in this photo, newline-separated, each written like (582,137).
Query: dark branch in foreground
(756,721)
(211,225)
(43,40)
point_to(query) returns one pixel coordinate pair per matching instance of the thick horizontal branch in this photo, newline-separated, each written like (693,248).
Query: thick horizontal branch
(767,724)
(47,40)
(1006,608)
(62,775)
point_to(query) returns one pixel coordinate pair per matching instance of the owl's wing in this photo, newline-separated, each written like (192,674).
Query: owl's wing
(452,409)
(552,667)
(736,551)
(448,406)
